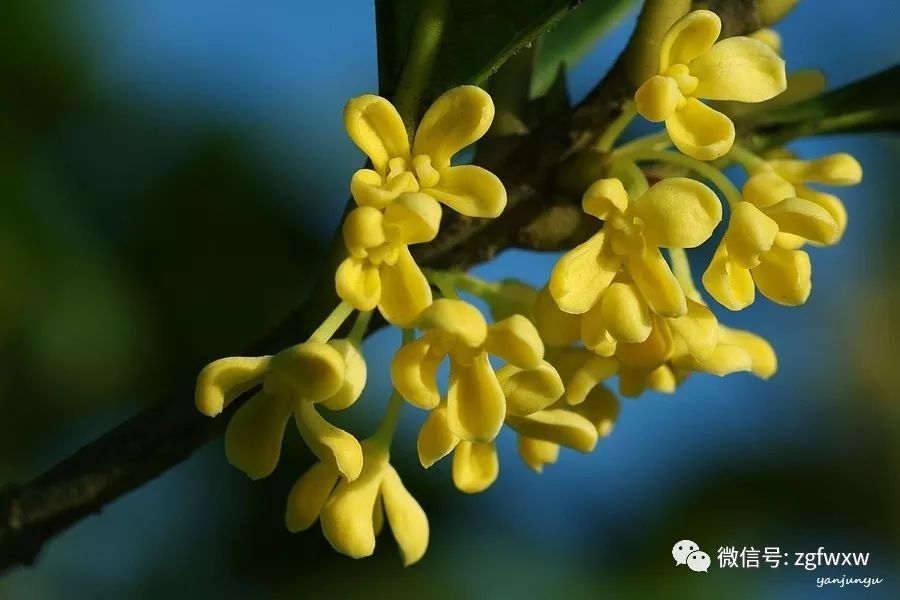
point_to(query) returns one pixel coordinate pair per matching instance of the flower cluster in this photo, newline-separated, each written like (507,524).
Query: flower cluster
(622,305)
(399,199)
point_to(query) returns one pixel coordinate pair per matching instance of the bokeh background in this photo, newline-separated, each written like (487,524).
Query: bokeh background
(169,173)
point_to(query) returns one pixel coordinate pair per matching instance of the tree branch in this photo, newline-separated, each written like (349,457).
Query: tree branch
(539,215)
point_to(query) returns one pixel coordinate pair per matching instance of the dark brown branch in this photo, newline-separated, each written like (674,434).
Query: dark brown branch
(538,216)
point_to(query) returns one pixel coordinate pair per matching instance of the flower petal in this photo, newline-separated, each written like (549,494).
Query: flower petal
(347,516)
(331,445)
(515,340)
(557,328)
(376,128)
(690,36)
(784,276)
(308,495)
(414,373)
(739,68)
(363,228)
(458,118)
(654,278)
(699,131)
(834,169)
(582,274)
(601,407)
(587,377)
(530,390)
(724,360)
(830,203)
(475,402)
(730,284)
(405,292)
(698,329)
(359,283)
(806,219)
(222,381)
(368,188)
(312,371)
(475,466)
(354,376)
(537,453)
(652,352)
(470,190)
(767,188)
(657,98)
(594,333)
(408,521)
(559,426)
(412,219)
(678,213)
(435,439)
(457,318)
(750,233)
(625,313)
(764,359)
(255,432)
(605,198)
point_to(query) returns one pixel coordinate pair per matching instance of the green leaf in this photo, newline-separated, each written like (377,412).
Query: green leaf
(478,37)
(869,104)
(573,37)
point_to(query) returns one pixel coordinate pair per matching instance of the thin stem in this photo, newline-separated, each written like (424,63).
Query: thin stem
(655,141)
(360,326)
(615,129)
(681,268)
(475,285)
(709,172)
(747,159)
(385,432)
(332,323)
(419,61)
(635,181)
(445,281)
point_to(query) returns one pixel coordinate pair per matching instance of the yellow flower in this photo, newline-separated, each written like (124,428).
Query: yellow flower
(692,65)
(476,405)
(839,169)
(293,382)
(674,213)
(352,512)
(458,118)
(380,270)
(476,465)
(399,199)
(753,255)
(671,355)
(646,364)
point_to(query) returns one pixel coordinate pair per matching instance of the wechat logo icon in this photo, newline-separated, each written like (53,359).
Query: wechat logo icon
(689,553)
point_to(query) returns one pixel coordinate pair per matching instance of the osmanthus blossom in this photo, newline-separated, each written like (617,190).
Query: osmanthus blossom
(476,404)
(292,382)
(701,345)
(760,248)
(352,512)
(476,465)
(694,66)
(379,270)
(674,213)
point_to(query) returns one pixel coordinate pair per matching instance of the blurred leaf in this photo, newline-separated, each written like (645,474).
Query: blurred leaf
(869,104)
(573,37)
(479,36)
